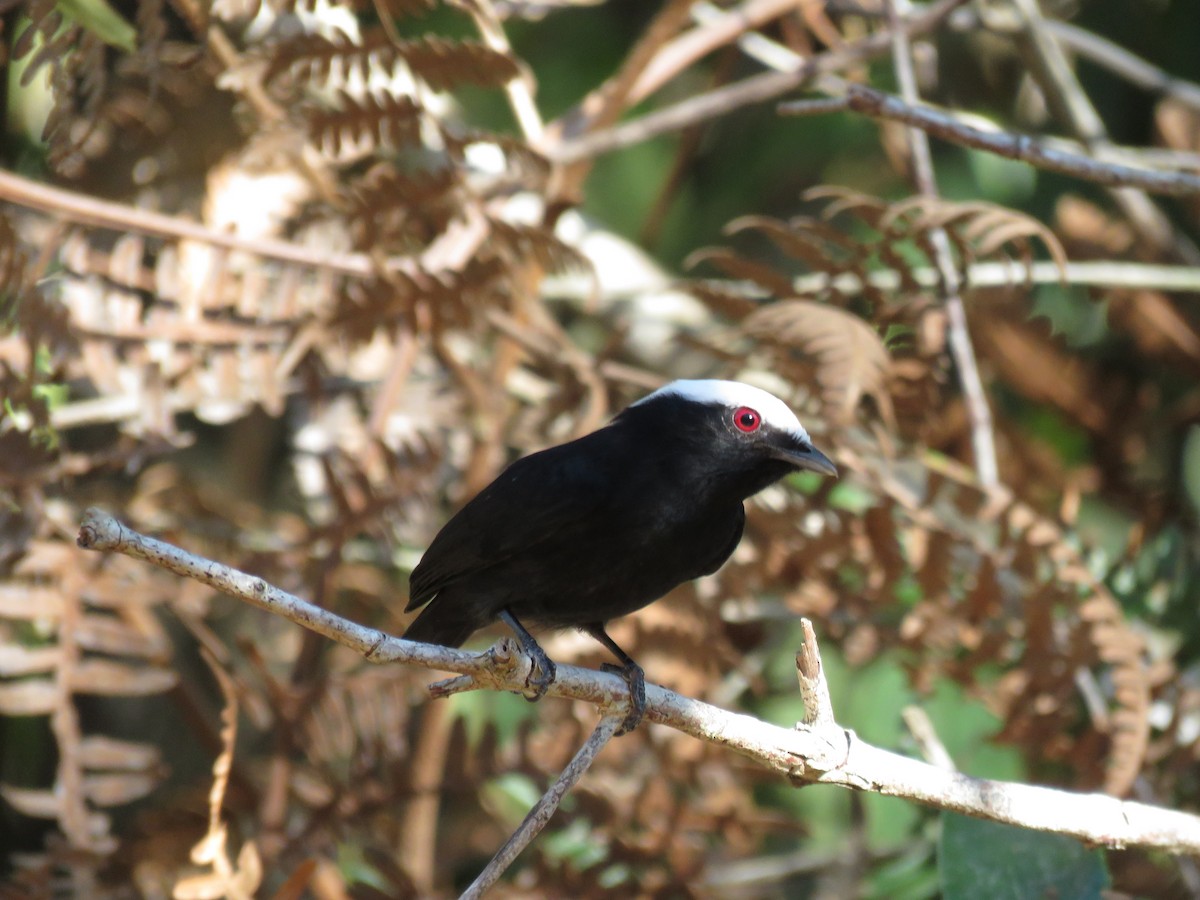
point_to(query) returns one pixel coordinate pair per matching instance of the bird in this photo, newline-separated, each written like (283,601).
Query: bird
(590,530)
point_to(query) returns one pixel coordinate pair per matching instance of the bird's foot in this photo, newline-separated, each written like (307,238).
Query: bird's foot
(633,675)
(541,674)
(542,671)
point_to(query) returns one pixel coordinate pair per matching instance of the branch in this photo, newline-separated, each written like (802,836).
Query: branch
(804,754)
(748,91)
(942,124)
(1066,98)
(537,818)
(521,89)
(1088,45)
(83,209)
(712,32)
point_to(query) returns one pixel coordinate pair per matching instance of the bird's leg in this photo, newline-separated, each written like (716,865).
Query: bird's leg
(630,671)
(542,664)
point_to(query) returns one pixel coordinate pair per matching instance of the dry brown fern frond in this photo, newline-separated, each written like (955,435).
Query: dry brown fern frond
(857,235)
(215,312)
(975,229)
(36,343)
(69,628)
(103,75)
(848,358)
(225,877)
(1003,585)
(816,244)
(401,210)
(418,302)
(524,244)
(361,720)
(737,266)
(46,39)
(14,264)
(358,127)
(441,63)
(365,489)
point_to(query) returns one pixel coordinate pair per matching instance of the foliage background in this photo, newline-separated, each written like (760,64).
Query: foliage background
(401,296)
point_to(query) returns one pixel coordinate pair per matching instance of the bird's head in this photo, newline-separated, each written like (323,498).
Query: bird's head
(732,427)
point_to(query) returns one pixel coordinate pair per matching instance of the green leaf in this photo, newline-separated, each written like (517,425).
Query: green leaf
(851,497)
(1002,180)
(354,867)
(912,875)
(101,20)
(1191,466)
(978,858)
(576,844)
(506,711)
(509,797)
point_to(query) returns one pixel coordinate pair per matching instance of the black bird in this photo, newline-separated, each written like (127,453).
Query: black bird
(596,528)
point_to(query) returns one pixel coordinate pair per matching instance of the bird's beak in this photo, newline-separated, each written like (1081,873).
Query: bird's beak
(806,456)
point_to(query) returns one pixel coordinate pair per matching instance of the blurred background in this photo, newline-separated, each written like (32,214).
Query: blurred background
(286,284)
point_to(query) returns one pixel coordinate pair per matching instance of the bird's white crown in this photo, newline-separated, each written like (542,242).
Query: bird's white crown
(734,394)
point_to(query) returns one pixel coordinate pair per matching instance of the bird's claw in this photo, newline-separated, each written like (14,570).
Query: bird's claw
(541,674)
(636,679)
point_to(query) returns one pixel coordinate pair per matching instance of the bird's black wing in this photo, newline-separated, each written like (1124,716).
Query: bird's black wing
(546,495)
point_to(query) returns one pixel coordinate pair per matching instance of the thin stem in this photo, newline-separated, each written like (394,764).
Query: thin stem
(520,90)
(1071,105)
(944,125)
(715,30)
(1089,45)
(541,813)
(983,440)
(755,89)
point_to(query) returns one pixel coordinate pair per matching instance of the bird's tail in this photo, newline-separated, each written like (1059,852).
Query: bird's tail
(434,626)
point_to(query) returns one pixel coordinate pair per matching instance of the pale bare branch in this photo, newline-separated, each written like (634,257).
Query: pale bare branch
(803,754)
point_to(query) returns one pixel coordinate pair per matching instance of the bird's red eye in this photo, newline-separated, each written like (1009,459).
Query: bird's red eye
(746,419)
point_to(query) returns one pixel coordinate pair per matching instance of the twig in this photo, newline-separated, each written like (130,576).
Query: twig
(815,106)
(520,90)
(1153,158)
(731,877)
(82,209)
(1052,71)
(1094,47)
(1034,151)
(537,818)
(1098,274)
(1101,274)
(921,728)
(814,689)
(714,31)
(1124,63)
(1071,105)
(605,105)
(983,439)
(754,44)
(802,754)
(755,89)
